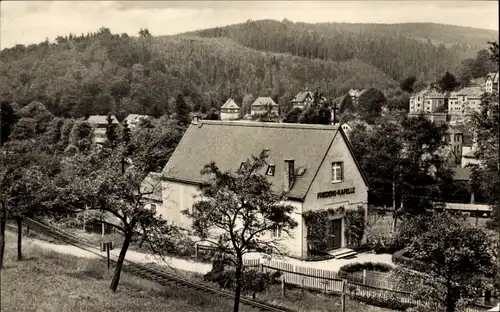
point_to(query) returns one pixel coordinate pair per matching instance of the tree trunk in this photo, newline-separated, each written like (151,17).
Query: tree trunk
(237,291)
(2,236)
(121,258)
(450,298)
(19,222)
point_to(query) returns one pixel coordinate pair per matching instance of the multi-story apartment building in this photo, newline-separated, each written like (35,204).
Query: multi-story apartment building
(417,102)
(464,102)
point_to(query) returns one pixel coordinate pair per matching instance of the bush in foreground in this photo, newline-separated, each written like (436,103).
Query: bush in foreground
(369,266)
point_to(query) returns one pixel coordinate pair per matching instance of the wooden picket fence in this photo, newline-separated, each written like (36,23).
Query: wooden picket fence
(366,284)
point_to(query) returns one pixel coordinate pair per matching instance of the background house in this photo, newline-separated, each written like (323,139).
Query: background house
(264,105)
(99,123)
(133,120)
(230,110)
(303,99)
(314,163)
(491,82)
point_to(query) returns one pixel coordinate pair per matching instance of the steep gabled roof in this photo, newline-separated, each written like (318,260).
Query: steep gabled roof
(421,93)
(264,100)
(135,117)
(493,77)
(230,143)
(230,104)
(101,119)
(433,94)
(301,96)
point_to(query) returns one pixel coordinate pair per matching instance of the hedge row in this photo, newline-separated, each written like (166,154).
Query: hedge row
(369,266)
(389,303)
(400,257)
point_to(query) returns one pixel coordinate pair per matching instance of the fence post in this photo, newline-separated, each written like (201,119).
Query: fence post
(324,288)
(364,276)
(261,267)
(196,251)
(302,286)
(283,287)
(342,297)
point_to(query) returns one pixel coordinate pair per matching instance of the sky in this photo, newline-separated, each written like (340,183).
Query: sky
(26,22)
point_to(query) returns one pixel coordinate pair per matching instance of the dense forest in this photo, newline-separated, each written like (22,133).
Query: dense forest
(101,72)
(425,50)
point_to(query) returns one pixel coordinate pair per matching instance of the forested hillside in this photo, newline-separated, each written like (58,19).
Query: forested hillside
(425,50)
(101,72)
(104,72)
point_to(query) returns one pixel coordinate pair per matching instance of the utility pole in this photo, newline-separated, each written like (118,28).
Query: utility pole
(334,113)
(394,209)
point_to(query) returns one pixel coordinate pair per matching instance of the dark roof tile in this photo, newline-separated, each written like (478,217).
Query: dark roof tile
(230,143)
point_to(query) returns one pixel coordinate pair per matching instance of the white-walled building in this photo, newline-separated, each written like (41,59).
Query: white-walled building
(264,104)
(230,110)
(491,82)
(314,162)
(133,120)
(100,123)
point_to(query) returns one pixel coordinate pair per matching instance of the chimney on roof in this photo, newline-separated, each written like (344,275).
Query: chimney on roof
(195,119)
(289,174)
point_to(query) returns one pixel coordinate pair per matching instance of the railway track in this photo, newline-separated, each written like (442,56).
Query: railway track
(145,271)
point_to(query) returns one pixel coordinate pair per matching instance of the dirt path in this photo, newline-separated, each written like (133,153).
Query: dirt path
(131,255)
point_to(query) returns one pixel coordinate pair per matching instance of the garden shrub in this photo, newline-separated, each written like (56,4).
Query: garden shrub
(388,303)
(253,281)
(401,257)
(369,266)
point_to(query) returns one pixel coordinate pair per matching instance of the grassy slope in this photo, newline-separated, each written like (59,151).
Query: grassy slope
(75,284)
(48,281)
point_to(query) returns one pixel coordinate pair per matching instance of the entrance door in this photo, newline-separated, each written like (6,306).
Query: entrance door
(335,235)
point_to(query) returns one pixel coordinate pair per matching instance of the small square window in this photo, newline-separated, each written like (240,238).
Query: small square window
(270,170)
(337,172)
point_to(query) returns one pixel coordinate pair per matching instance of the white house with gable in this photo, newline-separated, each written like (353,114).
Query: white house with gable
(315,164)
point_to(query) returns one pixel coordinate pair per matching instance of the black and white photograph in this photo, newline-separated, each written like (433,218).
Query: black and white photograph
(247,156)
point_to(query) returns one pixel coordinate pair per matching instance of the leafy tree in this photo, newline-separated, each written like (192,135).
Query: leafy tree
(448,82)
(399,102)
(24,185)
(404,156)
(153,145)
(144,32)
(253,282)
(465,72)
(182,112)
(494,51)
(111,135)
(315,115)
(8,120)
(81,135)
(483,64)
(293,115)
(346,104)
(370,104)
(457,260)
(95,183)
(407,84)
(243,207)
(486,125)
(212,115)
(24,129)
(424,176)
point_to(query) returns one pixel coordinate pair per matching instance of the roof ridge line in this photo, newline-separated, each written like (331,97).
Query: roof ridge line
(268,125)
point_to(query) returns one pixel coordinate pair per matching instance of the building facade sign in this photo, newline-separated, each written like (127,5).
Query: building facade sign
(336,192)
